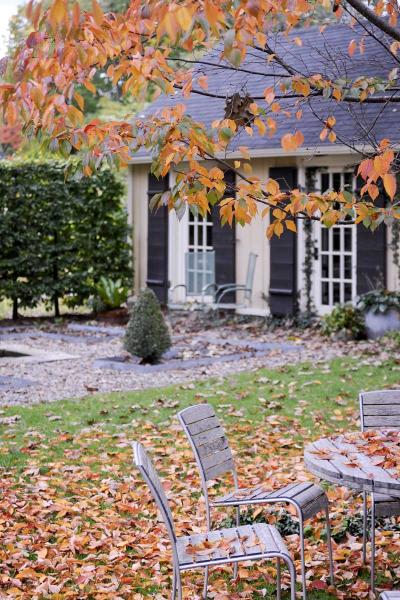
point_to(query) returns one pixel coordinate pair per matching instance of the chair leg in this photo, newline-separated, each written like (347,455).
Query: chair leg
(205,587)
(292,571)
(177,586)
(235,566)
(372,544)
(278,579)
(302,557)
(329,542)
(364,538)
(174,587)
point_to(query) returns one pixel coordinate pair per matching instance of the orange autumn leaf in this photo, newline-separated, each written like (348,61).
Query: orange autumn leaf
(390,185)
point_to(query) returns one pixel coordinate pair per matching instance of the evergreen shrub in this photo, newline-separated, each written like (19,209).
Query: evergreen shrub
(147,334)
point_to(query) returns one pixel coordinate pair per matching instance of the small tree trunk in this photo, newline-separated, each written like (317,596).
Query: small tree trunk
(15,309)
(55,277)
(56,305)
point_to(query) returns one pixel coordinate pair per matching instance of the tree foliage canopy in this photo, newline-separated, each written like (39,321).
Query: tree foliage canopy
(156,47)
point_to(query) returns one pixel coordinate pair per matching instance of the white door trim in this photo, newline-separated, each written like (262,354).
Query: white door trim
(341,252)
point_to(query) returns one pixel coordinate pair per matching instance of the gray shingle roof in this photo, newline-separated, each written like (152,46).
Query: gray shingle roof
(325,53)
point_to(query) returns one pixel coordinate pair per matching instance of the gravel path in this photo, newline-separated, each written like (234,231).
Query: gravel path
(26,381)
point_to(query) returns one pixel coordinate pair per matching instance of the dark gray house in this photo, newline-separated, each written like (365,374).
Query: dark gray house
(345,260)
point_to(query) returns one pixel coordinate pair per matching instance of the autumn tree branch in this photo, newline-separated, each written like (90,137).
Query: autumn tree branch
(375,19)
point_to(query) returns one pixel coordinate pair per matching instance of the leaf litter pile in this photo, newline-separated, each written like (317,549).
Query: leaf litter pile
(82,524)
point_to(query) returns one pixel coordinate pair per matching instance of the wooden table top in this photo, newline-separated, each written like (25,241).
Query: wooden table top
(368,460)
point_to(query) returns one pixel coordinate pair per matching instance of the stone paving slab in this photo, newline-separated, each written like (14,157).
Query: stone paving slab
(14,382)
(113,331)
(27,354)
(63,337)
(119,363)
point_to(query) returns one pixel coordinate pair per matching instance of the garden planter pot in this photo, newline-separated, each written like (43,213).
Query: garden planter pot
(377,324)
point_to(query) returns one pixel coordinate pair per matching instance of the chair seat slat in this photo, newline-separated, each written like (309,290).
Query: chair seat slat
(381,422)
(208,436)
(208,448)
(380,397)
(212,460)
(203,425)
(196,413)
(219,469)
(384,410)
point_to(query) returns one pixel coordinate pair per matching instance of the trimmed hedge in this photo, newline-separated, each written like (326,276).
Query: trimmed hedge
(58,237)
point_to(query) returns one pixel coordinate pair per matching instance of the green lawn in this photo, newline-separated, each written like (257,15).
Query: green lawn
(73,447)
(325,393)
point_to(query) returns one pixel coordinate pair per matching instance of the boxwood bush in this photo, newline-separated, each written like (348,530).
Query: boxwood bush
(147,334)
(58,236)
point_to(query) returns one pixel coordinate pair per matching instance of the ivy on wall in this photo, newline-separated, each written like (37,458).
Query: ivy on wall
(309,248)
(395,248)
(59,237)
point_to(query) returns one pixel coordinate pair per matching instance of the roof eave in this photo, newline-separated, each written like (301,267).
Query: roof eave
(279,152)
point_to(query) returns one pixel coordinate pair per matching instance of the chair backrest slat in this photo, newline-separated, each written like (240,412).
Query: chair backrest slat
(251,267)
(150,476)
(380,409)
(207,438)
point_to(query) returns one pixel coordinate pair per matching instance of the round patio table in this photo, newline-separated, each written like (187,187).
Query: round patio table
(368,461)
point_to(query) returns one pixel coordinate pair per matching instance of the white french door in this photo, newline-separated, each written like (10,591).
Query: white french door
(335,272)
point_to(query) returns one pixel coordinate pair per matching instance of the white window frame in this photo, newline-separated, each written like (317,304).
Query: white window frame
(203,225)
(318,279)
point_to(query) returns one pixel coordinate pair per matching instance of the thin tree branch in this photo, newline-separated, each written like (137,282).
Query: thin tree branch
(369,100)
(375,19)
(228,67)
(371,33)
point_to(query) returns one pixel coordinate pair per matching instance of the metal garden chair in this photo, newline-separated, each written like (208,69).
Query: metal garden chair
(199,275)
(220,291)
(252,542)
(214,458)
(390,595)
(378,410)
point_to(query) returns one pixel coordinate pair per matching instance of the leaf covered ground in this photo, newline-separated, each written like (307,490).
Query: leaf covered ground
(76,520)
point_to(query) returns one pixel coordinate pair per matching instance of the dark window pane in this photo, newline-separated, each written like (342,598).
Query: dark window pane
(209,237)
(336,267)
(325,265)
(336,293)
(347,292)
(336,238)
(325,240)
(347,267)
(348,181)
(200,235)
(336,182)
(324,182)
(209,217)
(325,292)
(191,235)
(347,239)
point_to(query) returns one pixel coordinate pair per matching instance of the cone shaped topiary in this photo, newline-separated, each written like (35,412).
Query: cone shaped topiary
(147,334)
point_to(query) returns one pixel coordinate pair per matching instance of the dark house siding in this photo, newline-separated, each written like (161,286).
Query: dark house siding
(224,244)
(157,242)
(371,255)
(283,257)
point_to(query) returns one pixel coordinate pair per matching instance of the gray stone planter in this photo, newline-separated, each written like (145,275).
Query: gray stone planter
(377,324)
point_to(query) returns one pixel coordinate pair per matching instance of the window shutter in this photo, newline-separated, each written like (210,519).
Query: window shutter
(371,254)
(283,254)
(157,242)
(224,244)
